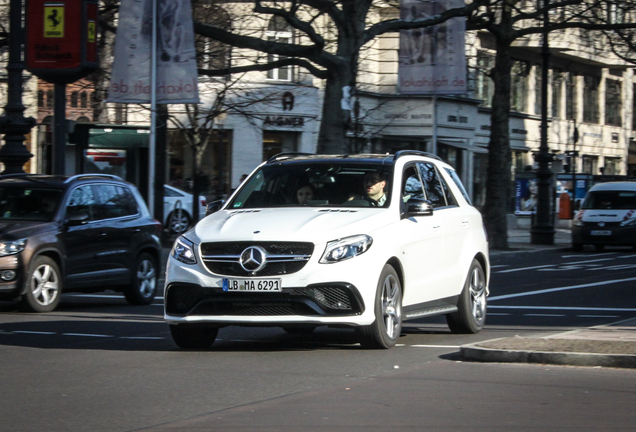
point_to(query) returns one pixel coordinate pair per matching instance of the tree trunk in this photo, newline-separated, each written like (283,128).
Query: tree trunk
(499,156)
(332,138)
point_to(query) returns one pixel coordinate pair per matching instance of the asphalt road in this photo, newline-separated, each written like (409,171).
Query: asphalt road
(97,364)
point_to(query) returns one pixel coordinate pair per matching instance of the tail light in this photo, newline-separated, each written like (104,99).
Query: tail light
(203,202)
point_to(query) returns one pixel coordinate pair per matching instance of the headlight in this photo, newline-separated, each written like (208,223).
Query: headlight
(183,250)
(343,249)
(12,247)
(628,222)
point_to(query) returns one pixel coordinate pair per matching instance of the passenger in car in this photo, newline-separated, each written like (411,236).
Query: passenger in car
(304,194)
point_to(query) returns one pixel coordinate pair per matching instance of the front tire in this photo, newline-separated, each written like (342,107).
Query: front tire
(193,338)
(144,285)
(386,329)
(44,286)
(471,314)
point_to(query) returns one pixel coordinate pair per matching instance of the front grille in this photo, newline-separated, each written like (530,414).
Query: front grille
(223,258)
(336,299)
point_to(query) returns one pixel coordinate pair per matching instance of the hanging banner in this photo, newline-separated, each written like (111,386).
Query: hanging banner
(432,60)
(177,79)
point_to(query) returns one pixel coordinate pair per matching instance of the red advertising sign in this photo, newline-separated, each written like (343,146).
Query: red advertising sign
(61,39)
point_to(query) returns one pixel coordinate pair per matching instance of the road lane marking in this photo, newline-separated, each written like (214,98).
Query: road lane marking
(88,335)
(544,315)
(565,308)
(566,288)
(598,316)
(34,332)
(526,268)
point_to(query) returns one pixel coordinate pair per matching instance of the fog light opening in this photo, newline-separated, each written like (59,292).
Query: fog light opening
(7,275)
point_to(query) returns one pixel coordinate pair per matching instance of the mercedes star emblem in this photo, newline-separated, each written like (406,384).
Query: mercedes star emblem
(253,258)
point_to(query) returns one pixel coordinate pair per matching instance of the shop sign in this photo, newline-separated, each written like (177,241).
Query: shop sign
(284,121)
(61,44)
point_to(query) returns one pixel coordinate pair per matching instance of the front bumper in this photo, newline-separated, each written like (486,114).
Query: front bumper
(9,289)
(319,294)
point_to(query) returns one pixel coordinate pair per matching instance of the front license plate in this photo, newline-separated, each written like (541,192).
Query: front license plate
(252,285)
(600,233)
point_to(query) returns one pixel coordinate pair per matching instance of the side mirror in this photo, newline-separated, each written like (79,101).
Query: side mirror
(214,206)
(418,207)
(79,218)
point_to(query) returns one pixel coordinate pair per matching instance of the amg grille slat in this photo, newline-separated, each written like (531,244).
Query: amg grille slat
(223,258)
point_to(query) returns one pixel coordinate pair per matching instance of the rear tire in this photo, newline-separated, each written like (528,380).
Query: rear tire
(471,314)
(143,288)
(386,329)
(193,338)
(44,286)
(178,223)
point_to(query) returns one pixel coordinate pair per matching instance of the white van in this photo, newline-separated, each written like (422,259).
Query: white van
(607,217)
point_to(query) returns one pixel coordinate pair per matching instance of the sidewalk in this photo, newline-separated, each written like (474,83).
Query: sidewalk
(611,345)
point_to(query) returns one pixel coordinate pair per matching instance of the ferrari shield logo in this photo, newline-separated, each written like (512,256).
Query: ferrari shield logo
(54,20)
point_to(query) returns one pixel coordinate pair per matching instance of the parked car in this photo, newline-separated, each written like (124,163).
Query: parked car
(177,209)
(83,233)
(606,217)
(363,241)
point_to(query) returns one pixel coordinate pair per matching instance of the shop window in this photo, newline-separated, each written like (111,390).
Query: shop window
(590,99)
(278,31)
(49,98)
(613,102)
(279,142)
(41,98)
(74,98)
(83,100)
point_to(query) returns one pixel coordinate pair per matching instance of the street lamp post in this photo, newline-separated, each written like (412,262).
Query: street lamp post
(13,124)
(542,231)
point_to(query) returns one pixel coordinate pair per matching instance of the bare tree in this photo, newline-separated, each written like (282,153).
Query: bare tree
(332,34)
(508,21)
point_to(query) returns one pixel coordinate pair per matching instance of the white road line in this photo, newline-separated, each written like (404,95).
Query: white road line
(526,268)
(88,335)
(565,308)
(544,315)
(34,332)
(142,337)
(432,346)
(598,316)
(550,290)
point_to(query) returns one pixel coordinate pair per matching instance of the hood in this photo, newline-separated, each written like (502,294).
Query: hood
(315,225)
(15,230)
(605,215)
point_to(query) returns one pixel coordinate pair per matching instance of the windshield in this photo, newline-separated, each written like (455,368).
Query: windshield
(611,200)
(316,184)
(25,204)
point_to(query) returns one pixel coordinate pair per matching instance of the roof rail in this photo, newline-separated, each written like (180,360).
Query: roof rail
(105,176)
(287,155)
(402,153)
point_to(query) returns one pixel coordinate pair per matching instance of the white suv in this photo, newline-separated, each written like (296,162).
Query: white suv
(365,241)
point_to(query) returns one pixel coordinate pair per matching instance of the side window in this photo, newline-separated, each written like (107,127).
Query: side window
(113,201)
(459,184)
(81,202)
(411,184)
(450,198)
(432,184)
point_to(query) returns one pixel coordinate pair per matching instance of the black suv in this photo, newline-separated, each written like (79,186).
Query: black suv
(84,233)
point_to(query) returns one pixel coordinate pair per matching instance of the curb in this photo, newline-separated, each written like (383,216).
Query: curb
(475,352)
